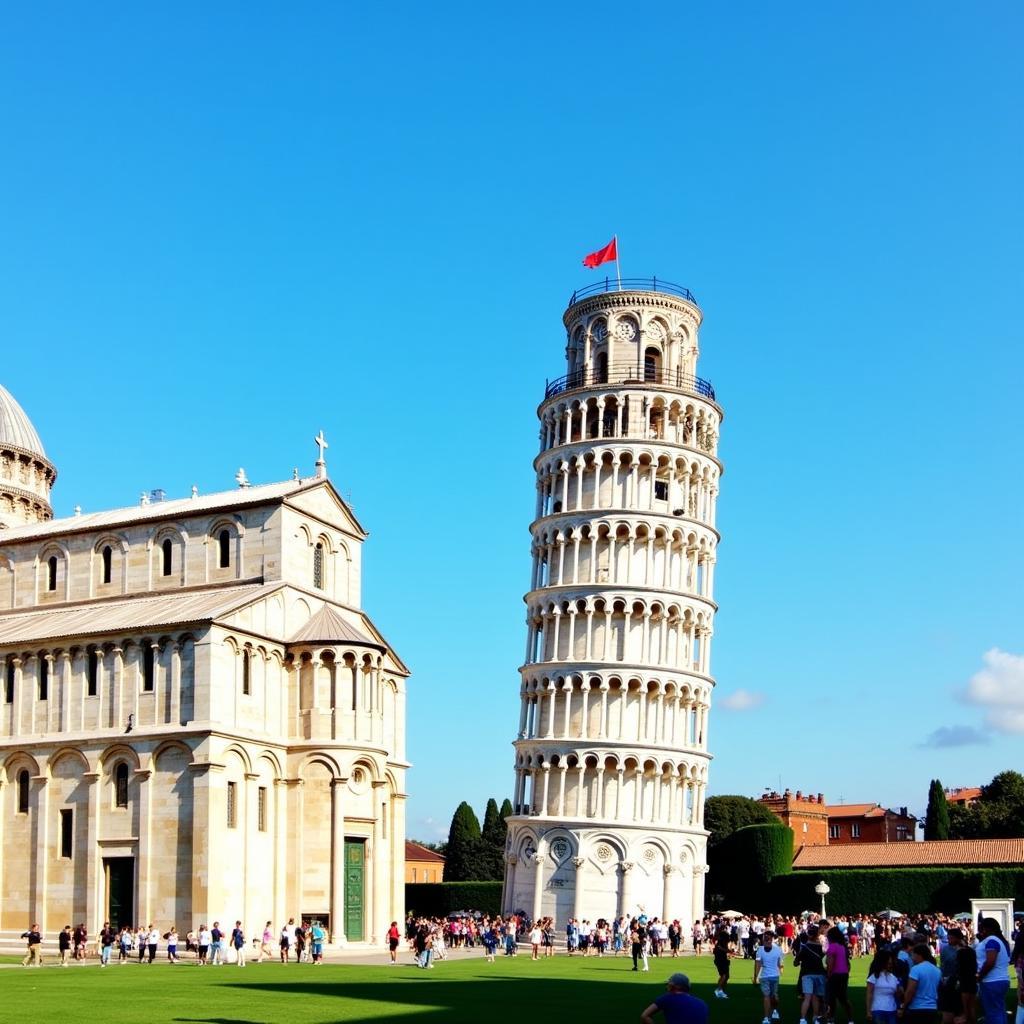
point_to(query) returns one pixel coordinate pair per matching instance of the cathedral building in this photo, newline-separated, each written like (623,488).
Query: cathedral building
(198,722)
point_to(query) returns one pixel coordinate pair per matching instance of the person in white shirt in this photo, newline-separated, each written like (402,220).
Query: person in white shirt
(768,968)
(535,939)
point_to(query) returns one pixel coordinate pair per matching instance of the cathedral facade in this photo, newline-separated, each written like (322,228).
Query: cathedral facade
(198,720)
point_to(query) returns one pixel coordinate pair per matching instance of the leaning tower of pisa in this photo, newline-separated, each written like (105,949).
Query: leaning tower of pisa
(611,756)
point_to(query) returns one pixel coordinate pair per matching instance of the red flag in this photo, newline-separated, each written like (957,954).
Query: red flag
(609,252)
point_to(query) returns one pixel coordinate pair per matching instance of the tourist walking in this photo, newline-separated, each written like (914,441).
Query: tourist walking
(768,970)
(152,941)
(238,942)
(316,941)
(286,939)
(721,958)
(810,958)
(266,944)
(172,945)
(64,942)
(837,967)
(107,937)
(34,956)
(393,938)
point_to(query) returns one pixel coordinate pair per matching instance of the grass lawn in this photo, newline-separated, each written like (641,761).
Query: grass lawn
(560,989)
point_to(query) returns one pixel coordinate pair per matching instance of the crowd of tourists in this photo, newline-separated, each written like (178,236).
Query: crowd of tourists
(212,945)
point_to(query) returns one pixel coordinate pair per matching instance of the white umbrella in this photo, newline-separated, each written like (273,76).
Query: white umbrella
(731,913)
(889,914)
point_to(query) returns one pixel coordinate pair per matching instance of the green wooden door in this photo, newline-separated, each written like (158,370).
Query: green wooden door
(120,890)
(355,875)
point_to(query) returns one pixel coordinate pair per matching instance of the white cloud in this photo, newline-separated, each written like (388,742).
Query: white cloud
(999,686)
(742,700)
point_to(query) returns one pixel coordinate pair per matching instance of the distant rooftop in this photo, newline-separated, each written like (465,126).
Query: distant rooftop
(931,853)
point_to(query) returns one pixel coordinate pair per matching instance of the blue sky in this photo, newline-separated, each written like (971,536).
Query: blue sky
(223,227)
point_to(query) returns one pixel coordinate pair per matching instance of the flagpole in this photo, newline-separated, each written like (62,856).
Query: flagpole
(618,273)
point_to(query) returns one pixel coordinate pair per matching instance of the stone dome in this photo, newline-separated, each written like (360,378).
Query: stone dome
(26,474)
(16,428)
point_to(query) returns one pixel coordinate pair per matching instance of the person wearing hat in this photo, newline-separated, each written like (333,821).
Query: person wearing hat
(678,1006)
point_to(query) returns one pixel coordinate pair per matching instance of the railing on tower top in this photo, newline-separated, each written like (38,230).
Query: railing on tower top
(633,284)
(630,373)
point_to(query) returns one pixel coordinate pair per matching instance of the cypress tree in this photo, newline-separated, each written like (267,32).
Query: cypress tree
(506,810)
(936,819)
(462,861)
(493,842)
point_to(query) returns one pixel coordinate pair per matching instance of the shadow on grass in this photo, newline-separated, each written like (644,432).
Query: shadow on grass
(413,998)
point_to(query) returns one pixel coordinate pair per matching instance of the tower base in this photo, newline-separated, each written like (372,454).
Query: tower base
(585,871)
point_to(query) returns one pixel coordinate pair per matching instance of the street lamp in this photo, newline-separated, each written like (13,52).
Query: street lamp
(822,890)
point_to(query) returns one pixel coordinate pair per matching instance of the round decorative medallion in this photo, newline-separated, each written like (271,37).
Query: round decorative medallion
(655,332)
(599,331)
(625,330)
(604,852)
(649,855)
(559,849)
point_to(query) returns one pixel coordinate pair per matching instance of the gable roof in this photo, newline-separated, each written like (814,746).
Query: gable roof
(328,627)
(151,611)
(931,853)
(176,508)
(414,851)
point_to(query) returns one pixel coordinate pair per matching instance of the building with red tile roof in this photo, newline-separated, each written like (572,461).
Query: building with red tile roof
(422,864)
(931,853)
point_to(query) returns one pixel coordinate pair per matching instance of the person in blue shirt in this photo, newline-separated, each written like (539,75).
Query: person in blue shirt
(921,995)
(993,954)
(678,1006)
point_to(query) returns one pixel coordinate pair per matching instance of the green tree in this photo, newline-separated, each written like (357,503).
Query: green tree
(462,862)
(997,814)
(936,819)
(723,815)
(506,810)
(493,842)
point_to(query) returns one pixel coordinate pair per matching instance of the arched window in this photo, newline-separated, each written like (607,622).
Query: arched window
(148,668)
(246,673)
(652,364)
(224,546)
(9,682)
(168,551)
(93,680)
(121,785)
(601,368)
(44,678)
(108,564)
(318,566)
(51,573)
(23,791)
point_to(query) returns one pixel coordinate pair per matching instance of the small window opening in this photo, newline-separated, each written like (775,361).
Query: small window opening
(661,490)
(168,552)
(44,678)
(148,668)
(9,683)
(93,678)
(651,359)
(318,567)
(23,791)
(232,808)
(108,564)
(67,832)
(121,785)
(261,809)
(224,544)
(246,673)
(51,573)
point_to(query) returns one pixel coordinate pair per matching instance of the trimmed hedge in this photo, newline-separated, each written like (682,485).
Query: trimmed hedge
(745,862)
(911,890)
(438,899)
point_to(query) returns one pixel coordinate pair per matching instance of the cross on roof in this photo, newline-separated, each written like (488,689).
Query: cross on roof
(321,442)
